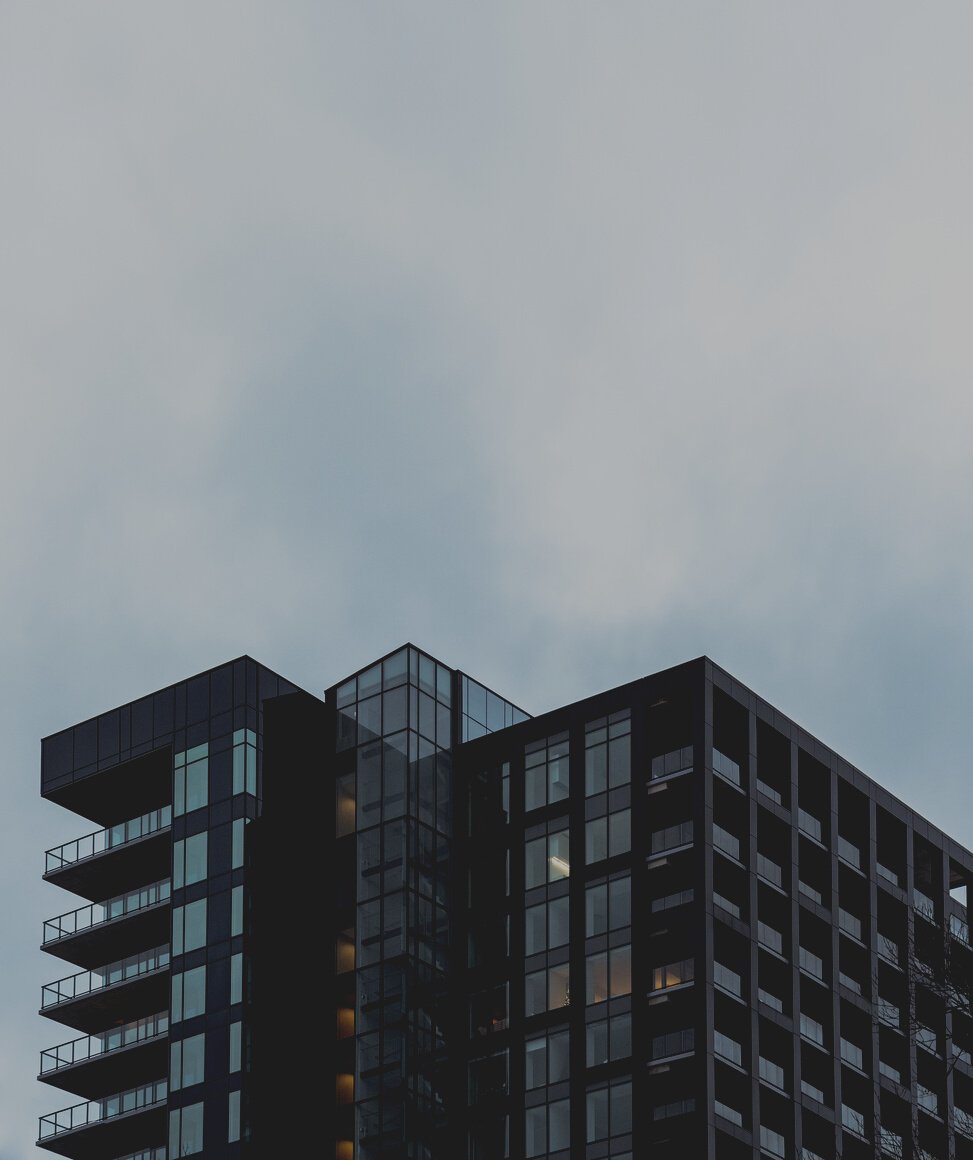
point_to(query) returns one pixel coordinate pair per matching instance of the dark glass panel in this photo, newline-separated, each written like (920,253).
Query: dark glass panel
(108,735)
(86,744)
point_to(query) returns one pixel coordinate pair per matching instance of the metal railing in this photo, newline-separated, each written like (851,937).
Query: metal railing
(145,1154)
(107,839)
(84,982)
(94,1046)
(97,1111)
(97,913)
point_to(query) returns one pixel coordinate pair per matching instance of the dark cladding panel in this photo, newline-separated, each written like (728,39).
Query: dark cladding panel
(57,757)
(198,696)
(85,744)
(108,735)
(221,689)
(162,715)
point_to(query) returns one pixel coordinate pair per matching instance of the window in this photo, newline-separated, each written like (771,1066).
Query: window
(546,771)
(189,927)
(606,837)
(236,978)
(244,761)
(189,861)
(188,994)
(608,1111)
(233,1118)
(619,832)
(608,975)
(236,911)
(546,990)
(237,843)
(546,1059)
(236,1046)
(608,753)
(546,859)
(546,926)
(345,805)
(608,1039)
(852,1053)
(187,1061)
(548,1128)
(186,1131)
(190,780)
(608,906)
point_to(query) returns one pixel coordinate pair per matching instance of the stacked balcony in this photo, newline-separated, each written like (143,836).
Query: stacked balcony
(118,1003)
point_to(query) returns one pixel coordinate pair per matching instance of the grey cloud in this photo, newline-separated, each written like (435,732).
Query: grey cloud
(569,345)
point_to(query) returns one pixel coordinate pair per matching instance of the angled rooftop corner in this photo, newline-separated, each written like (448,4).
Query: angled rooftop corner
(481,710)
(118,764)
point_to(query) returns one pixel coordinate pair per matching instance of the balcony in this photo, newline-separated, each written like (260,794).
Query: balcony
(108,1127)
(111,929)
(96,1065)
(116,858)
(115,792)
(129,989)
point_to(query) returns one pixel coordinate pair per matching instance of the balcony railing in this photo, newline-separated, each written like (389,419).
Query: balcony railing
(146,1154)
(95,1046)
(84,982)
(672,763)
(97,1111)
(107,839)
(97,913)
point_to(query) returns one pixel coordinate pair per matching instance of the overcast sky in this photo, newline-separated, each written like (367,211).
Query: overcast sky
(568,341)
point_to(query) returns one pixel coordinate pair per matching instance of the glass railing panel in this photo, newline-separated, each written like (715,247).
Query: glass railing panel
(107,839)
(849,852)
(93,1046)
(726,767)
(809,824)
(672,763)
(96,913)
(769,870)
(97,1111)
(84,982)
(923,904)
(671,837)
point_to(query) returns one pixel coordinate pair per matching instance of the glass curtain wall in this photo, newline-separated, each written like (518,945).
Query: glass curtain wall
(398,716)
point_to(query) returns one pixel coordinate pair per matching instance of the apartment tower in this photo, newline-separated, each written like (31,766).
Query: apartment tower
(406,920)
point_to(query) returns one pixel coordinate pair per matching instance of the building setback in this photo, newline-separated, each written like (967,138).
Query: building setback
(408,920)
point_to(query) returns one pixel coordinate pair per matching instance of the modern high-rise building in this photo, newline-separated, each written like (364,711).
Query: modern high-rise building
(407,920)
